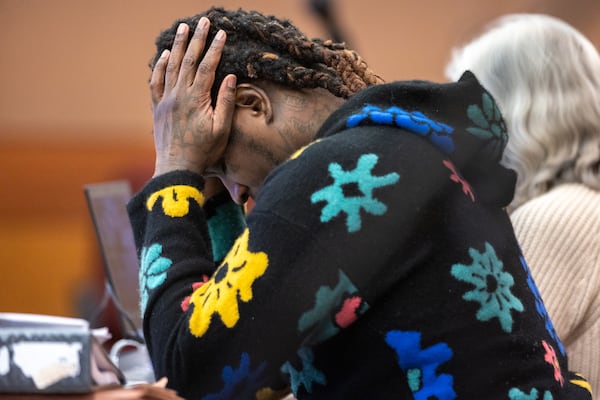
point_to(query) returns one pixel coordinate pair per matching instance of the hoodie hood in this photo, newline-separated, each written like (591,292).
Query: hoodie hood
(461,119)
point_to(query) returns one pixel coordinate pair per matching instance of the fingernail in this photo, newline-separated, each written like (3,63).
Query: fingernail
(164,53)
(220,35)
(181,28)
(231,80)
(203,23)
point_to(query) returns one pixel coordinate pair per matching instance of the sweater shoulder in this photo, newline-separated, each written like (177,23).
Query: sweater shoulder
(568,205)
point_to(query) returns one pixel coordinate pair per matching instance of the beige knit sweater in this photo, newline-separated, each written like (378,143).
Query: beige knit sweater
(560,236)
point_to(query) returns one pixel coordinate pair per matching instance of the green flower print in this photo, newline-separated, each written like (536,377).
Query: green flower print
(153,271)
(488,121)
(492,286)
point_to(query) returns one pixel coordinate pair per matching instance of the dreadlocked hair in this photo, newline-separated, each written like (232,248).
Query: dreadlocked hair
(261,47)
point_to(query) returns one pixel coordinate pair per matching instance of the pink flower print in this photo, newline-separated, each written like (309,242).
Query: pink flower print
(185,304)
(551,359)
(456,177)
(348,314)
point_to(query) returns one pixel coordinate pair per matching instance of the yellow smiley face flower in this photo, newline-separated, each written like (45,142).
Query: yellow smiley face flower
(230,283)
(176,199)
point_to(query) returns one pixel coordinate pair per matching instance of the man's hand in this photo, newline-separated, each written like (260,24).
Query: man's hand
(188,132)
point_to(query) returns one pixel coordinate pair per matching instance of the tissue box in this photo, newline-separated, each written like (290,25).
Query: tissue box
(47,354)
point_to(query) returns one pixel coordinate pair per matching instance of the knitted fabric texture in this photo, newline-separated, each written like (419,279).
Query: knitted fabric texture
(560,236)
(377,263)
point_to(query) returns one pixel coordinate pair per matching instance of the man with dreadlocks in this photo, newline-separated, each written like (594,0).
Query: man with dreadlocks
(377,261)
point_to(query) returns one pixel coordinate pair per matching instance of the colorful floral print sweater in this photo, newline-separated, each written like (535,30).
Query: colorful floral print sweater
(376,263)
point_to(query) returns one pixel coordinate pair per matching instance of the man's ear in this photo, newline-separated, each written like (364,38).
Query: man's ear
(255,100)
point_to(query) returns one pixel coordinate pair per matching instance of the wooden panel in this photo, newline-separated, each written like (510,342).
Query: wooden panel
(48,252)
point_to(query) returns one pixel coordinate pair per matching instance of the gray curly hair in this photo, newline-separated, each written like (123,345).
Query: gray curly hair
(545,77)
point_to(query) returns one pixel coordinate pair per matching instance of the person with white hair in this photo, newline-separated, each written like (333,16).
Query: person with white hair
(545,77)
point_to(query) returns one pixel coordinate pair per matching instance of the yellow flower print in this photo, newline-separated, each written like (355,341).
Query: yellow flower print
(232,280)
(270,394)
(301,150)
(582,382)
(176,199)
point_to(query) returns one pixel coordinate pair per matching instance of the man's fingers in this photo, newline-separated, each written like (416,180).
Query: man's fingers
(223,114)
(157,79)
(205,73)
(194,51)
(177,52)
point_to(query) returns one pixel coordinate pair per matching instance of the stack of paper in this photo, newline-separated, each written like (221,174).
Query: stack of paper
(50,354)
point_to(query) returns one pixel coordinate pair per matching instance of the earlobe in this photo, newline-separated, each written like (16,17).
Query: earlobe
(254,99)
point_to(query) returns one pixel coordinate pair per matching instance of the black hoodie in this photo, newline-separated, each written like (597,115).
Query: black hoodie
(377,263)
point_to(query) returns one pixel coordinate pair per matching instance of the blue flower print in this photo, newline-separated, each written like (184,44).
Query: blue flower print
(539,306)
(439,134)
(153,271)
(241,383)
(492,287)
(364,181)
(420,365)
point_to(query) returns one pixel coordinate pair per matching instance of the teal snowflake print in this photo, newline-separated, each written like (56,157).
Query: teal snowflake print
(307,376)
(240,383)
(492,287)
(489,122)
(517,394)
(363,183)
(153,271)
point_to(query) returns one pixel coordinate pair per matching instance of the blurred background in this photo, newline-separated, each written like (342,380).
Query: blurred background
(74,109)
